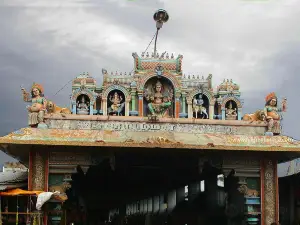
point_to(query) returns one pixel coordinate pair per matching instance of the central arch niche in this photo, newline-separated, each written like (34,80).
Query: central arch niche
(205,105)
(151,94)
(116,103)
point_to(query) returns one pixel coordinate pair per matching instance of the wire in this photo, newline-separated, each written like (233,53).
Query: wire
(62,87)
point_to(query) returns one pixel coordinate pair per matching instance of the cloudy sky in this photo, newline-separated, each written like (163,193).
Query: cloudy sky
(254,42)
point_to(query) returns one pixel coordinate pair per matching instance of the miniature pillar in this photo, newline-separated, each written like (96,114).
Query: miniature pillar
(183,103)
(269,192)
(127,108)
(104,103)
(133,104)
(190,111)
(223,114)
(141,106)
(177,107)
(74,108)
(211,112)
(92,109)
(239,113)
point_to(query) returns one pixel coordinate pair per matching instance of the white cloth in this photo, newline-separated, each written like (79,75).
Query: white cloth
(43,198)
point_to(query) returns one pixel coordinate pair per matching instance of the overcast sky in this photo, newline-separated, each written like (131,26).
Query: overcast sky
(254,42)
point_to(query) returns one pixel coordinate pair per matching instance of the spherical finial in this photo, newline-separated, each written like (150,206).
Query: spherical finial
(160,16)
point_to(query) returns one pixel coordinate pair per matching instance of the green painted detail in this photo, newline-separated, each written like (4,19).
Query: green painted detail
(55,179)
(133,102)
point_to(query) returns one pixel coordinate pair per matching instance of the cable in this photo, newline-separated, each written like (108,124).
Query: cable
(62,87)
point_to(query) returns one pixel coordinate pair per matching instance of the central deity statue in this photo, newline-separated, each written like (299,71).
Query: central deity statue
(159,102)
(117,105)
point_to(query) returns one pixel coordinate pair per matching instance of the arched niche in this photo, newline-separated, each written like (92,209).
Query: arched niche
(231,110)
(217,110)
(200,111)
(116,103)
(237,102)
(155,96)
(83,103)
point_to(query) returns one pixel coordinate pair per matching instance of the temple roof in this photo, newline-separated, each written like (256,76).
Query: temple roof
(159,139)
(13,179)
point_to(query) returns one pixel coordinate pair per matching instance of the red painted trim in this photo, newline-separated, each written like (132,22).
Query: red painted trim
(30,171)
(262,191)
(140,107)
(277,191)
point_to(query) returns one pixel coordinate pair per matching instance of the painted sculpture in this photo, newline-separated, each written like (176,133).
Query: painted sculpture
(37,109)
(159,102)
(117,105)
(259,115)
(199,108)
(82,107)
(52,108)
(231,113)
(272,113)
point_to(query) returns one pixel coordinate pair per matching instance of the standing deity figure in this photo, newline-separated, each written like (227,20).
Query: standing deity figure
(117,105)
(198,107)
(272,113)
(159,102)
(231,113)
(37,109)
(82,107)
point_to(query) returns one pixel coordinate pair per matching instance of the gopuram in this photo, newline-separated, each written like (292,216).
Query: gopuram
(153,147)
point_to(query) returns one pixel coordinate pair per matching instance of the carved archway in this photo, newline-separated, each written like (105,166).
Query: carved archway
(231,98)
(170,77)
(90,94)
(119,88)
(191,96)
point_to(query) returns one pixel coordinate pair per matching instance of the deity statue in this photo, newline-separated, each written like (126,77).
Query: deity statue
(272,113)
(117,105)
(198,107)
(36,111)
(82,107)
(231,113)
(159,102)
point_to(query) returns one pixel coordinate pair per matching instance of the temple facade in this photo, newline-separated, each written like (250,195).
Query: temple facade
(154,146)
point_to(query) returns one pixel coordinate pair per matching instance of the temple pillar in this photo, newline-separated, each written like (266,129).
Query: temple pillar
(177,108)
(239,113)
(190,111)
(74,108)
(92,109)
(211,112)
(269,192)
(127,108)
(156,204)
(133,111)
(38,173)
(141,106)
(171,200)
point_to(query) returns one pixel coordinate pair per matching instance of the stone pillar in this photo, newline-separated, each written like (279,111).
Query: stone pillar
(177,104)
(184,103)
(156,204)
(171,201)
(141,106)
(133,103)
(38,171)
(74,108)
(239,113)
(269,192)
(150,205)
(91,109)
(211,112)
(223,113)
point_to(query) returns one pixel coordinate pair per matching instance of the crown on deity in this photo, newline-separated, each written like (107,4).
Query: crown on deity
(270,96)
(37,86)
(158,83)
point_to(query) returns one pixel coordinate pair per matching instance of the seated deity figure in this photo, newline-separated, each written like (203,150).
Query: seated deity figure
(82,107)
(231,113)
(159,102)
(37,109)
(117,105)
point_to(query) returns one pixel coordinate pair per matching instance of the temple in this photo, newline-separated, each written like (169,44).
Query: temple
(154,146)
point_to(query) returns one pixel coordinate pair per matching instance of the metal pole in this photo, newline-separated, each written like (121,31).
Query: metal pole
(155,42)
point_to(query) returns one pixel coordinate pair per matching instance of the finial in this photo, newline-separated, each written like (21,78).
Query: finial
(172,56)
(125,74)
(116,73)
(197,76)
(111,73)
(143,54)
(147,55)
(231,81)
(202,78)
(121,74)
(189,77)
(157,55)
(193,76)
(167,56)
